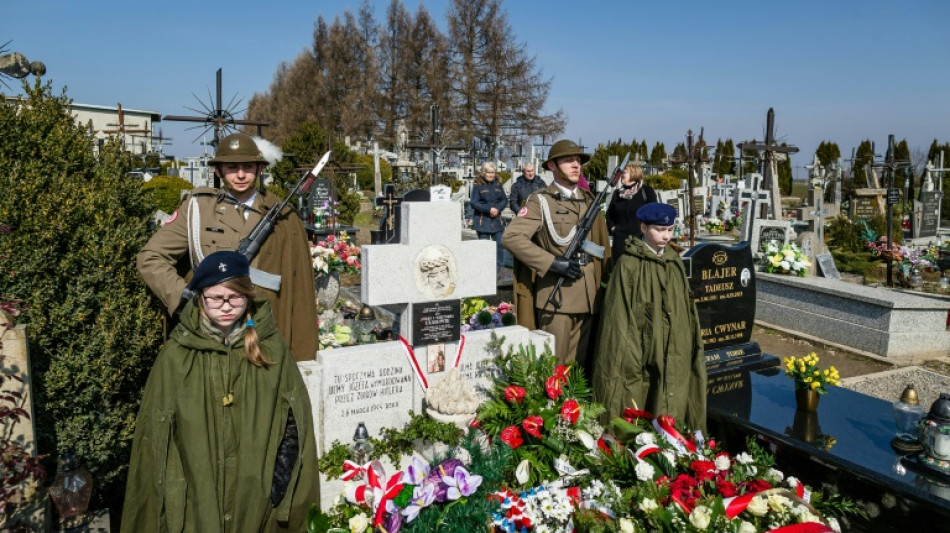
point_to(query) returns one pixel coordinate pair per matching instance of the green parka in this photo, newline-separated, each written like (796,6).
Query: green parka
(650,350)
(201,466)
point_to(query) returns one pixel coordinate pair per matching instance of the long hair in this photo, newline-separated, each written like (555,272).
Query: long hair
(252,343)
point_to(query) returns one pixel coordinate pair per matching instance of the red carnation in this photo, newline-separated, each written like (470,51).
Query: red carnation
(757,485)
(570,411)
(532,425)
(726,488)
(512,437)
(553,387)
(703,469)
(514,394)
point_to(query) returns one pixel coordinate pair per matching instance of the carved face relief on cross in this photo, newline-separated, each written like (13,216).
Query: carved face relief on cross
(436,272)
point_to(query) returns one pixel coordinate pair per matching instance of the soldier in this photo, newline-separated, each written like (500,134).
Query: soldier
(211,220)
(538,238)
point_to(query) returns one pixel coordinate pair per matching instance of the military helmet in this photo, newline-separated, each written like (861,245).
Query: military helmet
(565,147)
(237,148)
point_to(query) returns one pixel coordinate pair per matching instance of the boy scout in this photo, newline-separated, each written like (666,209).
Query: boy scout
(538,238)
(210,220)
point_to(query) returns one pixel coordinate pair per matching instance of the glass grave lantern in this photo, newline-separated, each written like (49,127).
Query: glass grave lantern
(907,414)
(934,434)
(365,325)
(71,490)
(362,448)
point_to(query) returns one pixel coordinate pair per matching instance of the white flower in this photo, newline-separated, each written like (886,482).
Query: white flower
(648,505)
(873,510)
(723,463)
(626,525)
(776,475)
(359,523)
(644,471)
(744,458)
(645,438)
(888,500)
(746,527)
(786,265)
(779,503)
(700,517)
(759,506)
(833,524)
(792,481)
(586,439)
(807,516)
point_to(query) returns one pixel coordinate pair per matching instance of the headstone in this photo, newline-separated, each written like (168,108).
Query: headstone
(320,199)
(928,204)
(440,193)
(867,203)
(388,232)
(811,247)
(723,282)
(826,262)
(766,231)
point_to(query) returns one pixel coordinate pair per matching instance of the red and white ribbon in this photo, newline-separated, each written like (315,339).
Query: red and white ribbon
(351,470)
(415,363)
(356,494)
(458,352)
(383,495)
(736,504)
(665,425)
(645,450)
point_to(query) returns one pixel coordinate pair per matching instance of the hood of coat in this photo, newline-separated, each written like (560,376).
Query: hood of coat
(189,333)
(636,247)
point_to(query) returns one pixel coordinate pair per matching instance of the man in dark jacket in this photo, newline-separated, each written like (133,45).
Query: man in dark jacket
(527,183)
(650,351)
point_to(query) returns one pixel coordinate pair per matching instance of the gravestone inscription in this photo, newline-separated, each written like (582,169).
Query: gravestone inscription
(723,282)
(436,322)
(768,231)
(929,202)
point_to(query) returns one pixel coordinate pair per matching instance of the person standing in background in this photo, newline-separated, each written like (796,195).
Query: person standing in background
(631,195)
(488,201)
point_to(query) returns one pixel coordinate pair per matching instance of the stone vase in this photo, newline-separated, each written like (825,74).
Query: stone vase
(328,289)
(807,400)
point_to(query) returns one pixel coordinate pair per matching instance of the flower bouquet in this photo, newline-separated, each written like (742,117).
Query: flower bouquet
(785,260)
(808,375)
(477,314)
(713,225)
(335,255)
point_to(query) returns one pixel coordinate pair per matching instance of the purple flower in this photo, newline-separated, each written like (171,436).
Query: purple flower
(436,475)
(393,523)
(417,472)
(422,497)
(461,483)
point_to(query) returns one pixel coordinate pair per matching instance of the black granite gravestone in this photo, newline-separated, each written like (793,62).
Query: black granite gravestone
(723,283)
(390,224)
(929,202)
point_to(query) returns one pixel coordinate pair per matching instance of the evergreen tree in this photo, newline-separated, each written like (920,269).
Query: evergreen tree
(861,165)
(828,153)
(784,167)
(658,156)
(77,223)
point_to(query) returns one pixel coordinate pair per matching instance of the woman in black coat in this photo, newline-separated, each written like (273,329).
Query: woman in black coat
(487,202)
(632,194)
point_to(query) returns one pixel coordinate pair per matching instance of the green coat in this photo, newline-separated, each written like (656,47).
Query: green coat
(650,350)
(199,466)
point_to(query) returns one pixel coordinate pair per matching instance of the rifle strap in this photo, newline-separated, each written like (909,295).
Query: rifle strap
(546,220)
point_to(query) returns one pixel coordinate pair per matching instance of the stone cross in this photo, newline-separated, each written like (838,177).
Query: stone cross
(770,148)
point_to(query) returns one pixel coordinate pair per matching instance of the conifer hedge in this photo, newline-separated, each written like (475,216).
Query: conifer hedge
(77,223)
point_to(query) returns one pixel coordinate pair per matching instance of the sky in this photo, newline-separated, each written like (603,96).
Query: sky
(841,71)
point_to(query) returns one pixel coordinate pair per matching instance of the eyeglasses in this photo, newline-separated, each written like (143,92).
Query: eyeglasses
(216,302)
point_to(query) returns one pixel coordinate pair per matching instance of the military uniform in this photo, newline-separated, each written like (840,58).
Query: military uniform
(209,220)
(530,239)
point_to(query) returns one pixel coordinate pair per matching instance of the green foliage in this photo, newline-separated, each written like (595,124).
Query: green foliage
(861,263)
(658,155)
(845,235)
(596,168)
(784,168)
(77,226)
(366,175)
(668,181)
(165,191)
(394,442)
(828,153)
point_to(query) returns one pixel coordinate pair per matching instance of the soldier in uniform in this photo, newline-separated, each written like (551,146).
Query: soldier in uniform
(538,238)
(211,220)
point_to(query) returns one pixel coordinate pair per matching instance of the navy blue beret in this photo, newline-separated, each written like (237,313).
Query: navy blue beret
(657,213)
(219,267)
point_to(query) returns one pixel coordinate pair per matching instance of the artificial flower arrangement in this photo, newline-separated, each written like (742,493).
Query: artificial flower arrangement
(713,224)
(335,255)
(332,330)
(808,375)
(546,471)
(477,314)
(785,260)
(733,223)
(907,258)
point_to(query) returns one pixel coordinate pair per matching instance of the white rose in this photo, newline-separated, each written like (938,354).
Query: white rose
(626,525)
(723,463)
(792,481)
(746,527)
(648,505)
(644,471)
(888,501)
(700,517)
(779,503)
(786,265)
(359,523)
(806,516)
(758,506)
(645,438)
(744,458)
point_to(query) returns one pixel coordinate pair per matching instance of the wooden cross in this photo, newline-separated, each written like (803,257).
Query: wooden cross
(770,173)
(694,155)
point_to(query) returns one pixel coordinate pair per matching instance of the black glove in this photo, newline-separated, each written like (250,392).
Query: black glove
(568,268)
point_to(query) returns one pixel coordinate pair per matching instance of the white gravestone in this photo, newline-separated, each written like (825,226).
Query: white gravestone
(765,231)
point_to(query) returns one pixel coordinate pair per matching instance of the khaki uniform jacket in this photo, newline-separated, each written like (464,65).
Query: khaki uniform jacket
(650,350)
(165,262)
(528,239)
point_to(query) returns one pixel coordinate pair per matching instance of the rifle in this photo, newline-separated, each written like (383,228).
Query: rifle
(583,229)
(251,244)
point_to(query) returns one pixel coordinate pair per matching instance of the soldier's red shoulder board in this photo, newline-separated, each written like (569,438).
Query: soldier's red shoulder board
(171,219)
